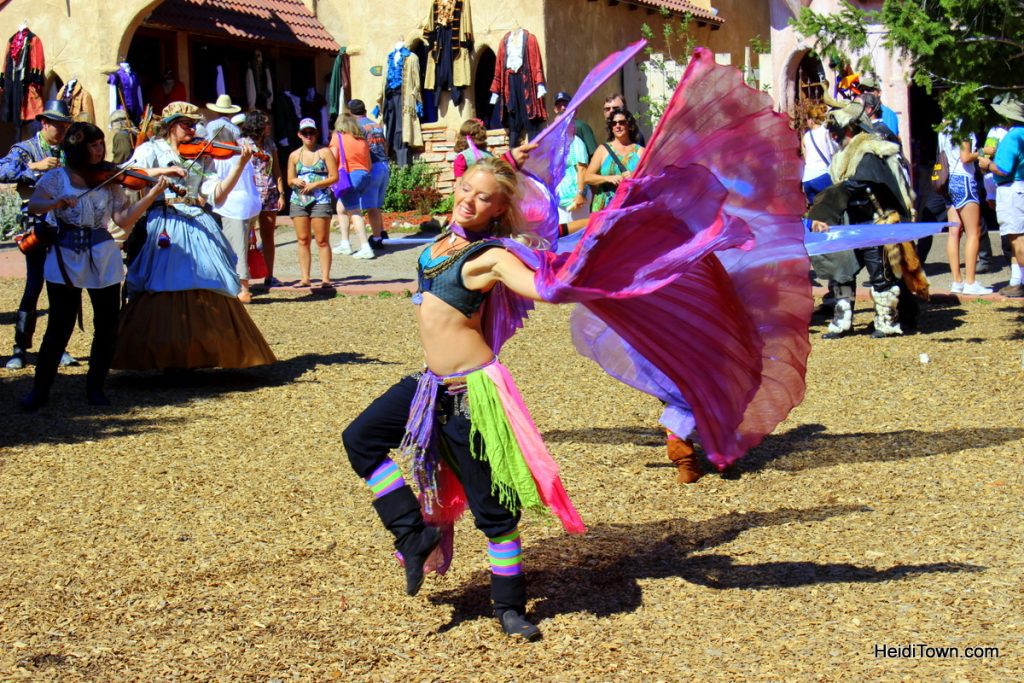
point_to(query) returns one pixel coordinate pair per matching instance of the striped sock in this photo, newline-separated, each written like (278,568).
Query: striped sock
(385,479)
(505,553)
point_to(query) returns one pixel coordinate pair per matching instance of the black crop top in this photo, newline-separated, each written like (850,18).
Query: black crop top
(442,277)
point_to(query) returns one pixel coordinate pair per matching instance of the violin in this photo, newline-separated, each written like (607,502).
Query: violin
(134,179)
(215,150)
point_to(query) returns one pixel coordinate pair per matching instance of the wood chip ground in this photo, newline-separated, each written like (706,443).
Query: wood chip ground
(208,527)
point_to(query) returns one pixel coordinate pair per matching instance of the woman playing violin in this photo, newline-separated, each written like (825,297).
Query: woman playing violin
(84,257)
(185,270)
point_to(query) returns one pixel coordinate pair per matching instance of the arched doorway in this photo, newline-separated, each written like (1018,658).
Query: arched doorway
(484,74)
(809,83)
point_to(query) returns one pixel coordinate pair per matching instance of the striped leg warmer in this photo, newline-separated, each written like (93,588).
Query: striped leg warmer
(385,479)
(505,553)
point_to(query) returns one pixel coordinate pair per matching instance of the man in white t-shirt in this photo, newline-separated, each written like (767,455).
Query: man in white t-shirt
(238,213)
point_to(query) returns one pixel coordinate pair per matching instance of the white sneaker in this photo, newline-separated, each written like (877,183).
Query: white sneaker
(957,287)
(977,289)
(343,248)
(365,253)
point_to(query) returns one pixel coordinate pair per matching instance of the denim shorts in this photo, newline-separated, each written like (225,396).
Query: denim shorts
(963,190)
(317,210)
(352,198)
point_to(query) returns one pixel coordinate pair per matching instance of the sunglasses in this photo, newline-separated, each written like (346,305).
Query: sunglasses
(308,131)
(619,122)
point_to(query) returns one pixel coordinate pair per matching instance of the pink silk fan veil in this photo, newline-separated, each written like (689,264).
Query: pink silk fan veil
(693,282)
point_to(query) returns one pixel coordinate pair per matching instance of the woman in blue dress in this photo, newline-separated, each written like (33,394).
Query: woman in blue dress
(183,309)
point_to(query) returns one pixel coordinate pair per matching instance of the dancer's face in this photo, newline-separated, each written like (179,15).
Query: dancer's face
(479,200)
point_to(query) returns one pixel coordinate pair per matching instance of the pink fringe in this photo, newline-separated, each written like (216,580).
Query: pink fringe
(542,466)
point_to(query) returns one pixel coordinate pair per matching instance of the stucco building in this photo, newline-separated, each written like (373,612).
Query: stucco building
(212,44)
(796,68)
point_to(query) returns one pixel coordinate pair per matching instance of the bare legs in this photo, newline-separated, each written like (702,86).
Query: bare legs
(376,221)
(322,234)
(969,222)
(302,238)
(268,223)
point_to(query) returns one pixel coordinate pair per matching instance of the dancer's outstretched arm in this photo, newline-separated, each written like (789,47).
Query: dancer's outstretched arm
(497,265)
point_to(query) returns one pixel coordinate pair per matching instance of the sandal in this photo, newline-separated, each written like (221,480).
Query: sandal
(245,297)
(302,285)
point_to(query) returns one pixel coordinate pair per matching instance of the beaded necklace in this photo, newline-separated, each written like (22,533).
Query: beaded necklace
(450,258)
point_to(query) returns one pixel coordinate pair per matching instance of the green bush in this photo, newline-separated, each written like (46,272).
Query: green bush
(404,180)
(444,206)
(10,207)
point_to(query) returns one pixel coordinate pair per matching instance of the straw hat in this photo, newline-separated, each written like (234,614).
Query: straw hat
(180,110)
(1009,106)
(223,105)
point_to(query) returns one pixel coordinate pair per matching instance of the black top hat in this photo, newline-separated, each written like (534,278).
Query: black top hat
(563,96)
(55,110)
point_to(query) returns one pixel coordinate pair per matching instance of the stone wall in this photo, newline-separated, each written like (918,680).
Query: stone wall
(439,151)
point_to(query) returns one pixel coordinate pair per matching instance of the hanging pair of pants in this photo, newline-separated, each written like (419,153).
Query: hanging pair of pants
(65,302)
(380,428)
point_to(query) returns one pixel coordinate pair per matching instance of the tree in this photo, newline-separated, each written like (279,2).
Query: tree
(964,51)
(664,65)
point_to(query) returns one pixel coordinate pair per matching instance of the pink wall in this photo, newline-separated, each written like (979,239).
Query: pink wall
(788,47)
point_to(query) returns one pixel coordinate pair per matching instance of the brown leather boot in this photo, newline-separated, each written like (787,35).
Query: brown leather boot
(680,452)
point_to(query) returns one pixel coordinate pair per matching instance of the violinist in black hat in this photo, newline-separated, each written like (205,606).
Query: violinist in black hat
(23,165)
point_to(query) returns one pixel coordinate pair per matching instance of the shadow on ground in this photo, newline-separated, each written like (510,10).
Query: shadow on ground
(812,445)
(69,419)
(600,572)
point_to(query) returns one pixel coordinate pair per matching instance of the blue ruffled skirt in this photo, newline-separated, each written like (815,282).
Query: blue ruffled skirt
(197,255)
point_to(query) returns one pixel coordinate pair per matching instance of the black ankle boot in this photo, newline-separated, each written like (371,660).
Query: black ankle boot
(96,397)
(400,512)
(508,594)
(515,624)
(34,400)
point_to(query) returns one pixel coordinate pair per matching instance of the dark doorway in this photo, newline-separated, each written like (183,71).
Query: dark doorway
(924,115)
(485,111)
(810,79)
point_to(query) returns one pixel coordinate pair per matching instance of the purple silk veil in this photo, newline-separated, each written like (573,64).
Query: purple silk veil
(540,175)
(843,237)
(694,279)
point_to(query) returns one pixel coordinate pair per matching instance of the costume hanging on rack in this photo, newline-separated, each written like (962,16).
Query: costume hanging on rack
(339,88)
(126,87)
(402,104)
(449,33)
(78,101)
(286,120)
(259,87)
(314,106)
(167,91)
(22,80)
(519,83)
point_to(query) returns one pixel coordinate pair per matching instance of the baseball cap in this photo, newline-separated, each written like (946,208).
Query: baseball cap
(308,123)
(563,96)
(357,107)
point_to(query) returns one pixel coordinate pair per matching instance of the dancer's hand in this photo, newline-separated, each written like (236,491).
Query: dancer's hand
(818,226)
(522,152)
